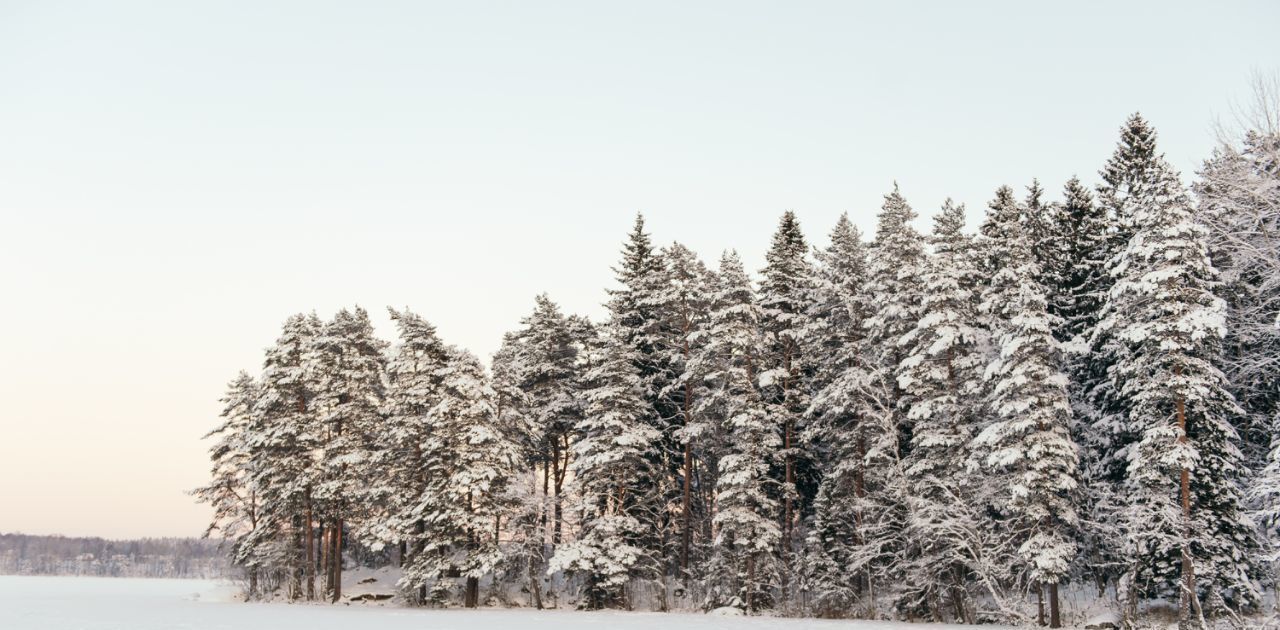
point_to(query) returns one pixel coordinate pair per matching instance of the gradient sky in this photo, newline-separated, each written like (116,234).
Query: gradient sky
(177,178)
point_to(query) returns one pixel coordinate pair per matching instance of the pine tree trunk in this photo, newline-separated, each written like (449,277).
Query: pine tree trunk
(253,525)
(337,560)
(1039,604)
(420,528)
(750,586)
(296,569)
(546,494)
(1055,616)
(687,534)
(323,561)
(535,584)
(562,470)
(309,568)
(471,597)
(790,479)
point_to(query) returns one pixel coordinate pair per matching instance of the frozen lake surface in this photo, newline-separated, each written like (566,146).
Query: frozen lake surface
(73,603)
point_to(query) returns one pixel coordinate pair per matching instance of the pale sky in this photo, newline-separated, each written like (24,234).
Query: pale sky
(177,178)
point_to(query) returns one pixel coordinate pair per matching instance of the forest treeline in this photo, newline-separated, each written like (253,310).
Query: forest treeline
(951,426)
(23,554)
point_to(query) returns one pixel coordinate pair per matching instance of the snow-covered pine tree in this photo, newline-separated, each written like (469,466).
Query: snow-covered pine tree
(941,375)
(833,326)
(231,492)
(1080,228)
(1004,215)
(1185,530)
(743,569)
(1038,223)
(834,341)
(1239,191)
(613,457)
(468,463)
(1129,183)
(1076,295)
(684,300)
(1127,179)
(1027,447)
(415,372)
(638,313)
(892,293)
(285,434)
(784,302)
(346,367)
(524,554)
(544,361)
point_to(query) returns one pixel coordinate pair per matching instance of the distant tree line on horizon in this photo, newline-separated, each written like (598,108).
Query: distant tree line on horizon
(953,426)
(23,554)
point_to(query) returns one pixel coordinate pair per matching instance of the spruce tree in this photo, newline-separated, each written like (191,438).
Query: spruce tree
(833,341)
(1080,226)
(1076,295)
(640,312)
(834,332)
(748,533)
(684,300)
(941,375)
(1130,182)
(469,464)
(1027,447)
(784,303)
(1182,508)
(613,455)
(881,439)
(1239,192)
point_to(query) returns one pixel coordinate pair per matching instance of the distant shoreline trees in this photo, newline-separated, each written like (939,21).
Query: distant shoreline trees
(183,558)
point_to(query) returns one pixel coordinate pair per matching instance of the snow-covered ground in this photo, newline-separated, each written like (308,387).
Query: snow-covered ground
(60,603)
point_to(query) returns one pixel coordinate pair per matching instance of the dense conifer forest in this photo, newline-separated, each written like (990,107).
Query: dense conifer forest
(962,424)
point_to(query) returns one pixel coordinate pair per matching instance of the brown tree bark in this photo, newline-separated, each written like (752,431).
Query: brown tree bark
(336,558)
(561,471)
(309,566)
(322,561)
(1055,616)
(1039,604)
(686,536)
(471,596)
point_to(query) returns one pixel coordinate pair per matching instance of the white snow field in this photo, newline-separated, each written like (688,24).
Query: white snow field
(75,603)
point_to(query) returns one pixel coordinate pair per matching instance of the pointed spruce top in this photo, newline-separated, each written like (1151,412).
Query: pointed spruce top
(949,222)
(1002,214)
(1077,199)
(1135,150)
(895,214)
(788,240)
